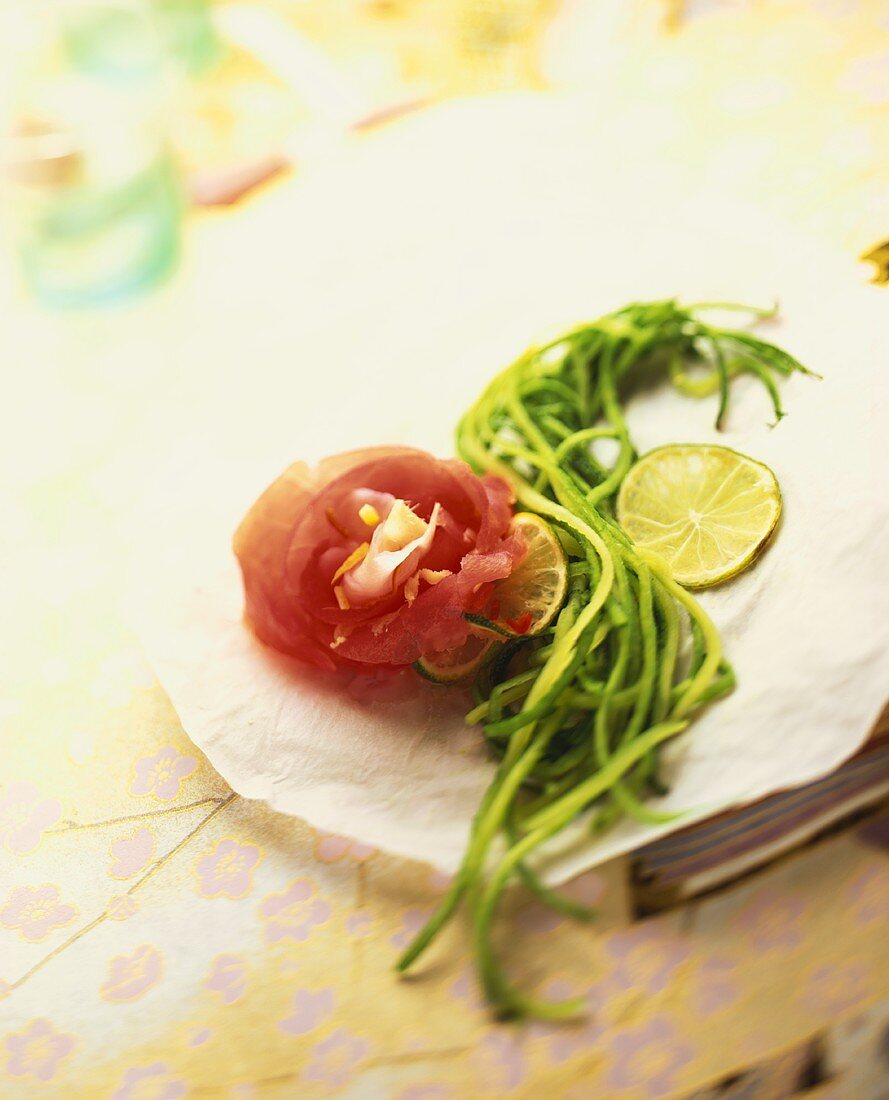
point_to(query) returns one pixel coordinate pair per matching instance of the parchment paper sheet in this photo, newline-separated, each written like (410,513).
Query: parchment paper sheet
(436,279)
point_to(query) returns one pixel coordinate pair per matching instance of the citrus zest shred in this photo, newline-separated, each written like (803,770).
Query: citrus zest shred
(357,555)
(412,587)
(369,515)
(341,598)
(335,523)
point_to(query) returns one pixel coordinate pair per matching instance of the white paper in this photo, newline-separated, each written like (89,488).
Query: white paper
(392,345)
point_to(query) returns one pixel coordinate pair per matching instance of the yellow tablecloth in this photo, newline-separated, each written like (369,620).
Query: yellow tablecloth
(160,937)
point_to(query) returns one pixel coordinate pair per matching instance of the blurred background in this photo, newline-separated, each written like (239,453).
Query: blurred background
(189,200)
(123,120)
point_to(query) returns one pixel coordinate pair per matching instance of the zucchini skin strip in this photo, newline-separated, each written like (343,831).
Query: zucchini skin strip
(579,724)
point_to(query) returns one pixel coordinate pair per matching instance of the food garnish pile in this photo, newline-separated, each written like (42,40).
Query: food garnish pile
(548,571)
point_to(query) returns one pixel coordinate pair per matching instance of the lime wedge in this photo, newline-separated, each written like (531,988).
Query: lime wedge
(457,665)
(707,511)
(523,603)
(526,601)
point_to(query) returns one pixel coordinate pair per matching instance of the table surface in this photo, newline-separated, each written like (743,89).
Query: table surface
(161,937)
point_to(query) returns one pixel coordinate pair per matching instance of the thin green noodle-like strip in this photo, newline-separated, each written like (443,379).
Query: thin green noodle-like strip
(540,830)
(577,713)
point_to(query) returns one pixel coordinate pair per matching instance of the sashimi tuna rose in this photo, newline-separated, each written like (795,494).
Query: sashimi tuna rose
(373,557)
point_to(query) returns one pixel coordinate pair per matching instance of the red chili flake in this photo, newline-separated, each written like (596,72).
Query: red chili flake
(478,599)
(522,624)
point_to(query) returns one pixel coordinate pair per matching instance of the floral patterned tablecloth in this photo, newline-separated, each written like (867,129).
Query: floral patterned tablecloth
(160,937)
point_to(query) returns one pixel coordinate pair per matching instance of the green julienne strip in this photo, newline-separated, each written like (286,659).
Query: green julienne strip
(577,713)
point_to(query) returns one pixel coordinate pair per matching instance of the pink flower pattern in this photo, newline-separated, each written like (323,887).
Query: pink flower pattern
(122,907)
(25,815)
(132,854)
(868,895)
(773,920)
(37,1050)
(646,956)
(330,848)
(161,775)
(227,871)
(466,989)
(412,920)
(500,1061)
(335,1059)
(152,1082)
(565,1042)
(833,990)
(310,1009)
(430,1091)
(439,881)
(227,977)
(537,918)
(570,1042)
(647,1058)
(360,924)
(716,986)
(295,913)
(36,912)
(131,976)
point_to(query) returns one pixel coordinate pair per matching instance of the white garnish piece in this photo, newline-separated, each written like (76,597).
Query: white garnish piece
(357,555)
(398,545)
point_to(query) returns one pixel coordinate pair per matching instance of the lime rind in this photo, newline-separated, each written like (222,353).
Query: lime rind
(536,587)
(539,584)
(451,668)
(707,510)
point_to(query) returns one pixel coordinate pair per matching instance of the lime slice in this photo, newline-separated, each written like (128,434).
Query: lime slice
(526,601)
(707,511)
(523,603)
(457,664)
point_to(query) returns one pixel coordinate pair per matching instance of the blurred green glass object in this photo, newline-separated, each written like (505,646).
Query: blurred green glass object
(188,34)
(94,241)
(110,40)
(114,41)
(96,202)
